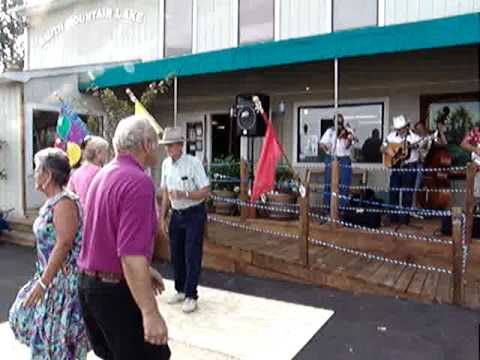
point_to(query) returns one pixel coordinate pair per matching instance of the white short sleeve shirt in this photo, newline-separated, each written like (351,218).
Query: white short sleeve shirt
(337,146)
(185,174)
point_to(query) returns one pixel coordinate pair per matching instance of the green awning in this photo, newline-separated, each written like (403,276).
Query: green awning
(439,33)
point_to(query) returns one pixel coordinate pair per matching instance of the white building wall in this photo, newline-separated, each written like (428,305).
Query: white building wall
(304,17)
(55,40)
(11,153)
(216,24)
(403,11)
(53,43)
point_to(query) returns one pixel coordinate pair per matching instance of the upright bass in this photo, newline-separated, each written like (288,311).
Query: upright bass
(438,160)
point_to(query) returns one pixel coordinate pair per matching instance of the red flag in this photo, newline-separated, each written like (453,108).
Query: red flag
(265,174)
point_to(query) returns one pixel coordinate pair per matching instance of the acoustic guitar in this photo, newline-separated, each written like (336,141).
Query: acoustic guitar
(399,152)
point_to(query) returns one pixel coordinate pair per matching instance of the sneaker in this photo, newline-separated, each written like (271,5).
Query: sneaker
(177,298)
(190,305)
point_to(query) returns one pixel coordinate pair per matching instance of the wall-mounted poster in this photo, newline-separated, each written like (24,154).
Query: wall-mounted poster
(460,113)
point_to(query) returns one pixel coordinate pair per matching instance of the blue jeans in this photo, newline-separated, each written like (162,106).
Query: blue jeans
(345,180)
(186,247)
(400,179)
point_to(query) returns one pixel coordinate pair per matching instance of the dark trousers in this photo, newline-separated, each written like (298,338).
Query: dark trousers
(400,179)
(345,178)
(186,247)
(114,322)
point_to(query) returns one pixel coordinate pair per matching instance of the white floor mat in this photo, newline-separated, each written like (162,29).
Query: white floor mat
(227,325)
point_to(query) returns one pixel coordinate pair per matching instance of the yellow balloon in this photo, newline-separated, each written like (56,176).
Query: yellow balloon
(74,153)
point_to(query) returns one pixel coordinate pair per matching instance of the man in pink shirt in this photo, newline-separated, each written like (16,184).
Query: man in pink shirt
(117,285)
(95,154)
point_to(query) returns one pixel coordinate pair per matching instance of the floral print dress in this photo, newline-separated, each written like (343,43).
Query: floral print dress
(54,328)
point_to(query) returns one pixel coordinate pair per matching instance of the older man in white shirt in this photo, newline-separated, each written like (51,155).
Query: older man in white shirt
(185,186)
(403,179)
(339,146)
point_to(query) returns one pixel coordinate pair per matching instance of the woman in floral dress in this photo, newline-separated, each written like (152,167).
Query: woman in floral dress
(46,314)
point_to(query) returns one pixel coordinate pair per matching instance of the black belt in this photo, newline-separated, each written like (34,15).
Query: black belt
(107,277)
(407,165)
(340,157)
(190,209)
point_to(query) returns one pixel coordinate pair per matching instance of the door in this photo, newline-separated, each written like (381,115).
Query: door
(40,133)
(224,138)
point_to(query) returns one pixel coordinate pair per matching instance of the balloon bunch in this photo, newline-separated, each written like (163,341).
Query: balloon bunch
(71,131)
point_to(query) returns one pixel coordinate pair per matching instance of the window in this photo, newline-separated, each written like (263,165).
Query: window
(366,120)
(178,27)
(215,24)
(349,14)
(255,20)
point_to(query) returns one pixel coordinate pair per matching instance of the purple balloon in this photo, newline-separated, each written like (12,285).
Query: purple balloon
(76,134)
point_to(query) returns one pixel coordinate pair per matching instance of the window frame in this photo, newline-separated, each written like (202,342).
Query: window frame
(297,106)
(165,55)
(376,24)
(274,20)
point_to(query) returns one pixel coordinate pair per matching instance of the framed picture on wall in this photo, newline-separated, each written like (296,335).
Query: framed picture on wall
(199,145)
(199,130)
(459,112)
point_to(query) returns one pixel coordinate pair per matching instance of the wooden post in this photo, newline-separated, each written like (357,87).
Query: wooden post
(469,200)
(334,191)
(458,276)
(304,203)
(243,189)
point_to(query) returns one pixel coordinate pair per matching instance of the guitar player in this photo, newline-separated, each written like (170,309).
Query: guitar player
(402,134)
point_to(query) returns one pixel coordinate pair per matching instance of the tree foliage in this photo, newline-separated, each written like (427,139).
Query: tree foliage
(12,27)
(116,108)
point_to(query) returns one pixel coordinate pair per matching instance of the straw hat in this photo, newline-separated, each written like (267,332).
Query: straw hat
(399,122)
(172,135)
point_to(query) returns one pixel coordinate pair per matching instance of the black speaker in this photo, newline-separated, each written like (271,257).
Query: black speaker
(360,215)
(249,122)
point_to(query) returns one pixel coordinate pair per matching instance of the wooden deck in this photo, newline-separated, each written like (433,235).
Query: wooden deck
(236,250)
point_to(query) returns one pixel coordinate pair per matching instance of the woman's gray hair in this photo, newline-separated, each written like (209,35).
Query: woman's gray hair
(93,144)
(131,132)
(54,161)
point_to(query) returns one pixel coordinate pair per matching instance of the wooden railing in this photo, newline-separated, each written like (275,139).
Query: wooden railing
(462,221)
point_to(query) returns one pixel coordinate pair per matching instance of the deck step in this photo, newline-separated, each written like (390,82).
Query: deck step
(18,238)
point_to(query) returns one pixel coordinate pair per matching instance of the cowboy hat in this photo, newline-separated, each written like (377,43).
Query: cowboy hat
(172,135)
(399,122)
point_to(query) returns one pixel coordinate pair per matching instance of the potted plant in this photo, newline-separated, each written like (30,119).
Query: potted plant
(284,195)
(225,177)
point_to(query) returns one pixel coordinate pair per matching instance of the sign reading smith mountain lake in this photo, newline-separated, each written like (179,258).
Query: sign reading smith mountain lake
(100,14)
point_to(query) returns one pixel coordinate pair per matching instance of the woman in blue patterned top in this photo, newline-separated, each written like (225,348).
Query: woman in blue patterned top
(46,314)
